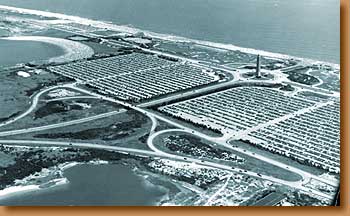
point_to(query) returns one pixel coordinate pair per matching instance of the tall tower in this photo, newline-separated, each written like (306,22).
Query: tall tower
(258,67)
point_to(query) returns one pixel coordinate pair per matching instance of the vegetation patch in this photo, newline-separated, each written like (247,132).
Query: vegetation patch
(303,79)
(15,90)
(192,174)
(299,75)
(110,132)
(287,87)
(33,160)
(42,85)
(55,107)
(190,145)
(9,117)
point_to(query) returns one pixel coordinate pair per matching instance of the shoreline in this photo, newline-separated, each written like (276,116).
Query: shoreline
(147,181)
(133,30)
(18,189)
(72,50)
(55,182)
(13,191)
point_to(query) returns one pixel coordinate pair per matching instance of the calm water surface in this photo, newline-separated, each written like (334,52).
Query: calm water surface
(110,184)
(301,28)
(14,52)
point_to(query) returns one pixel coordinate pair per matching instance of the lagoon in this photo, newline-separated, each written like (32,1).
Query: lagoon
(13,52)
(102,185)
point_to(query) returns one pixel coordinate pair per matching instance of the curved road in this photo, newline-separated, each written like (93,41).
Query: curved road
(34,103)
(219,140)
(70,98)
(155,154)
(58,125)
(153,116)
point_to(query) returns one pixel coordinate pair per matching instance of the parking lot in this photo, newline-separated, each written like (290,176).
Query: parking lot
(236,109)
(312,138)
(135,77)
(304,130)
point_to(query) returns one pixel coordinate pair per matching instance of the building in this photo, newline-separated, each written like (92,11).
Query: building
(258,67)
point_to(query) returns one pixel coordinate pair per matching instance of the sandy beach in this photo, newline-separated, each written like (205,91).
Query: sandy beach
(132,30)
(72,50)
(22,188)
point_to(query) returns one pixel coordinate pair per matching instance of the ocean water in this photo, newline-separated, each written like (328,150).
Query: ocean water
(14,52)
(308,29)
(102,185)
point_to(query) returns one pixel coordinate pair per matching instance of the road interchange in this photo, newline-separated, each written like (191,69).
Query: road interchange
(222,141)
(295,185)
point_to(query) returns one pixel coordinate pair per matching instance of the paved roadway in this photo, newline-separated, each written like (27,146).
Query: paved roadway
(243,133)
(34,103)
(142,152)
(155,154)
(305,176)
(154,116)
(62,124)
(224,143)
(217,140)
(314,89)
(221,141)
(204,90)
(279,79)
(71,98)
(217,193)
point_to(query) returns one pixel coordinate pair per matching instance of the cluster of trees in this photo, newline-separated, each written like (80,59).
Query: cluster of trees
(191,145)
(31,162)
(199,181)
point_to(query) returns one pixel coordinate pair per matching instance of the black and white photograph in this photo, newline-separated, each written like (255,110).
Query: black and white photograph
(169,103)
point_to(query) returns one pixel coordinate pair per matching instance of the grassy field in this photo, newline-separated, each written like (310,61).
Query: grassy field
(124,129)
(210,54)
(331,80)
(61,111)
(15,90)
(249,163)
(188,124)
(100,48)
